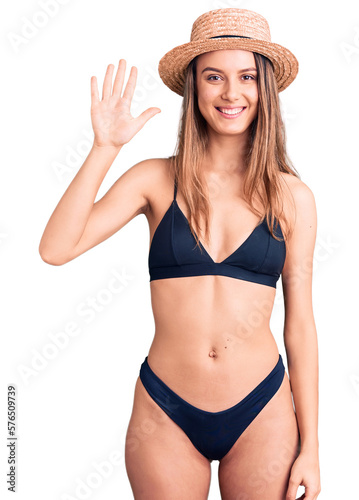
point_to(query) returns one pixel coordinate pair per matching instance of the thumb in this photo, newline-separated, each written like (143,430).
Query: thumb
(146,115)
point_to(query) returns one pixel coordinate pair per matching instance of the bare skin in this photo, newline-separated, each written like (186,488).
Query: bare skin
(215,347)
(216,351)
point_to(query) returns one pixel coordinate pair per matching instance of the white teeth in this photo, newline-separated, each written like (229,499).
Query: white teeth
(235,111)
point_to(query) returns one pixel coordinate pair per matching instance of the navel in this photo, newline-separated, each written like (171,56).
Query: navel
(212,354)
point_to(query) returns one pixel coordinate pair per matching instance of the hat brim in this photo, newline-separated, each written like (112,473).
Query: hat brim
(173,64)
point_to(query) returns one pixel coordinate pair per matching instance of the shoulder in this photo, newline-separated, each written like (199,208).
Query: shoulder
(301,196)
(301,192)
(151,168)
(155,179)
(295,185)
(300,209)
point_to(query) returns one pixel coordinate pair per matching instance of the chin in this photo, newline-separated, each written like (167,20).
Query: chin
(230,130)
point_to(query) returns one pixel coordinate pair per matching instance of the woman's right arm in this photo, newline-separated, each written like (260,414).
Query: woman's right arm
(78,223)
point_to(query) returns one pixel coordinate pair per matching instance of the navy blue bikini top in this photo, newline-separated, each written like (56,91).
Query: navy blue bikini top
(174,253)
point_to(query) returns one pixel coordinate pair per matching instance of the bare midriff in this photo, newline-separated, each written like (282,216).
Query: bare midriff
(212,342)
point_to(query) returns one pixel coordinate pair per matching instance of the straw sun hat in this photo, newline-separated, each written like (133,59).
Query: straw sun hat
(228,29)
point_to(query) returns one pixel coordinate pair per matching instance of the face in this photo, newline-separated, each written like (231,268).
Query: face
(227,92)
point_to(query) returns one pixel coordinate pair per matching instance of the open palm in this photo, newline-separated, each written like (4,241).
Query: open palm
(111,118)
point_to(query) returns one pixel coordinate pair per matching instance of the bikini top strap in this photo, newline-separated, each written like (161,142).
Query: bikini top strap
(175,190)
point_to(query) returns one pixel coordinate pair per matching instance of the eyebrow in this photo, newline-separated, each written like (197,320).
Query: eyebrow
(220,71)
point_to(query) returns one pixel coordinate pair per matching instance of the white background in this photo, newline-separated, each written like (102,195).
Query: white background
(73,410)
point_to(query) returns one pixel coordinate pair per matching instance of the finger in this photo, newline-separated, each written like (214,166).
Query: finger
(292,490)
(94,91)
(309,495)
(146,115)
(119,78)
(131,84)
(107,84)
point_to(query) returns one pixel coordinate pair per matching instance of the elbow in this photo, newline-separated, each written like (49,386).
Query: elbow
(51,259)
(52,262)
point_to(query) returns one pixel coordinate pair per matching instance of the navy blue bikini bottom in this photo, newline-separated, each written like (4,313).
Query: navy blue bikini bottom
(212,433)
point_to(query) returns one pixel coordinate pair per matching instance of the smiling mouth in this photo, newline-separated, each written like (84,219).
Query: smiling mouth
(230,112)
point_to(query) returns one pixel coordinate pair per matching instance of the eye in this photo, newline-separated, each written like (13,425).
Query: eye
(211,78)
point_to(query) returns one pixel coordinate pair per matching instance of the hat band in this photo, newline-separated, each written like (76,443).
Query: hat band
(229,36)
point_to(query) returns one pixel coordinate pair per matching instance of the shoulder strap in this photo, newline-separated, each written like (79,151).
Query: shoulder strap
(175,190)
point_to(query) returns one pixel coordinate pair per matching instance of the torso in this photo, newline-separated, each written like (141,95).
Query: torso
(212,343)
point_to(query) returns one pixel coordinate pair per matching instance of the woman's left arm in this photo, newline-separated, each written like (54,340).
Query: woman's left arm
(300,339)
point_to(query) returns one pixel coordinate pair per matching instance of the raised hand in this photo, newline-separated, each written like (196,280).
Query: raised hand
(111,118)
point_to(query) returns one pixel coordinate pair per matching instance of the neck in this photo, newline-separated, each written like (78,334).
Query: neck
(225,153)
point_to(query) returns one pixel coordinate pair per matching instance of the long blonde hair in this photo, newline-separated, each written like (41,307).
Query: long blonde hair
(265,156)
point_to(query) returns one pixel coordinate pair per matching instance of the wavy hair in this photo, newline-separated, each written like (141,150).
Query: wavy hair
(265,156)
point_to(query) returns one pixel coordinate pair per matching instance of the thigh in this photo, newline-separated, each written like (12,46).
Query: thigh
(161,461)
(258,466)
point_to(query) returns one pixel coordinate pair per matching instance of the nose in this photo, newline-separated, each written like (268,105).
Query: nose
(231,91)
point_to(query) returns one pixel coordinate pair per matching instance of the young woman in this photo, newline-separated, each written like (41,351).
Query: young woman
(228,215)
